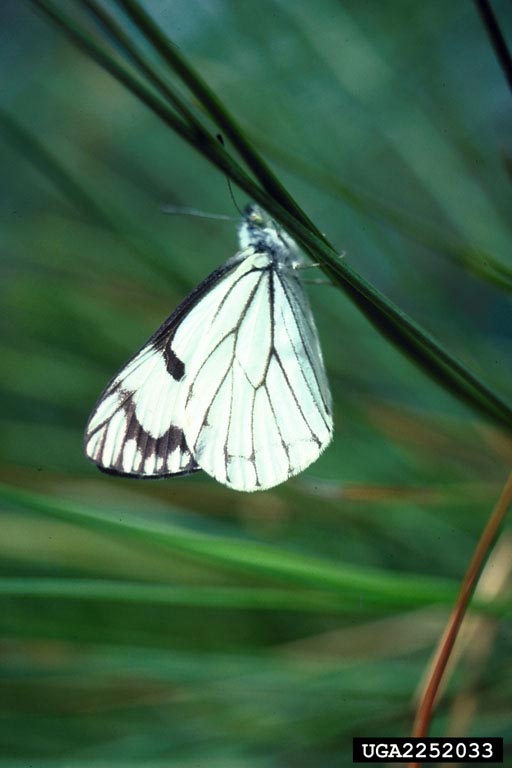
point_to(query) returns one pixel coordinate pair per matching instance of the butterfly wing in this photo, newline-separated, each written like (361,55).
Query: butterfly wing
(136,427)
(258,407)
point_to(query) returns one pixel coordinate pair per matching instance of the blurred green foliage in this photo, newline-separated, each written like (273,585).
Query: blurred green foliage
(179,623)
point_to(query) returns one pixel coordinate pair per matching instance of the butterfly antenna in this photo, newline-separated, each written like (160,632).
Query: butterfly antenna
(180,210)
(220,139)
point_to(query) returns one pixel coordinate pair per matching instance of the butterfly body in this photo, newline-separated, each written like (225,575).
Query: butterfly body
(233,382)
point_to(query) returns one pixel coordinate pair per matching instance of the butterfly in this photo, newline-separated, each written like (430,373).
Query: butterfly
(232,383)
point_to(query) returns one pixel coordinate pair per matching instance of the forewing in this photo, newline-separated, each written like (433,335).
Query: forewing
(136,427)
(259,408)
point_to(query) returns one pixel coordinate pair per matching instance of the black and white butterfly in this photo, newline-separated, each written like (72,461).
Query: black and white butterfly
(232,383)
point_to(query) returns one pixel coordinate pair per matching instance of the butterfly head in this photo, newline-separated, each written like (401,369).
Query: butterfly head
(259,231)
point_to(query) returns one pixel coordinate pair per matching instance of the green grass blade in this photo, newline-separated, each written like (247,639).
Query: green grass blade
(227,598)
(250,557)
(102,590)
(127,45)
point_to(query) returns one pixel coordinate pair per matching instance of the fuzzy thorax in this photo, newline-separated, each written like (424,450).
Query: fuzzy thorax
(262,233)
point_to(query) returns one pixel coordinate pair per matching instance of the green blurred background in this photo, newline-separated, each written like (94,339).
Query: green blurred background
(179,623)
